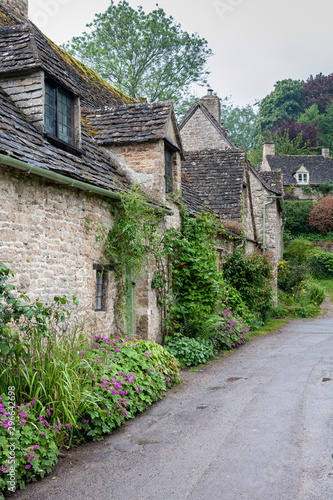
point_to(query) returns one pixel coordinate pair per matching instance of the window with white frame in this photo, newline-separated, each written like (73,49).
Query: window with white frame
(302,178)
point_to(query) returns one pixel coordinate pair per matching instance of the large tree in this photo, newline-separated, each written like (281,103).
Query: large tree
(318,90)
(240,122)
(144,55)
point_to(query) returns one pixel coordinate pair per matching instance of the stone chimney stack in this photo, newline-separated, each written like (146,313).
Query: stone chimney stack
(212,103)
(19,8)
(268,150)
(325,152)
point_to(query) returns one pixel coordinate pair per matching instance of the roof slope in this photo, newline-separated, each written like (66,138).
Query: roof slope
(22,141)
(319,167)
(130,123)
(24,48)
(218,177)
(191,197)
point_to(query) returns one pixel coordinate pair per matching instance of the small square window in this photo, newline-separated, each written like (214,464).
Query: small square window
(59,113)
(302,178)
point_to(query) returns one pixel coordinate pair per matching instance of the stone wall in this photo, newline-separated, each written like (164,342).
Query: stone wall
(199,133)
(147,162)
(28,94)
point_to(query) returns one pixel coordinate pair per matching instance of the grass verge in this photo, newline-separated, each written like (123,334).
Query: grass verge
(328,285)
(269,327)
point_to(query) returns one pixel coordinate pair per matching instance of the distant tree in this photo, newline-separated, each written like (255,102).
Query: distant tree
(284,103)
(310,115)
(318,90)
(309,131)
(321,216)
(143,54)
(240,122)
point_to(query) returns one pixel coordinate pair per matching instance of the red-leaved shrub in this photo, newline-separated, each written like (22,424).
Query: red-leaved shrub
(321,216)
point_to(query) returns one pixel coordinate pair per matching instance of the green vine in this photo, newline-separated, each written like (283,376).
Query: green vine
(323,189)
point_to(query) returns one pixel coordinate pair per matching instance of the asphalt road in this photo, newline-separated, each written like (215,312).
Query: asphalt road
(257,425)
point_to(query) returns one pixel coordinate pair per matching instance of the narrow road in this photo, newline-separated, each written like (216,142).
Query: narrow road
(257,425)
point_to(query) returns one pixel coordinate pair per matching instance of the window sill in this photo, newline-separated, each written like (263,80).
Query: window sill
(55,141)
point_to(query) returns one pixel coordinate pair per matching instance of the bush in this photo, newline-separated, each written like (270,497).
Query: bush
(297,213)
(298,249)
(189,351)
(290,276)
(321,265)
(321,216)
(251,275)
(230,332)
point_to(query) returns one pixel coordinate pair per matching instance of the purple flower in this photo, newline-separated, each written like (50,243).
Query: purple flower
(69,426)
(28,466)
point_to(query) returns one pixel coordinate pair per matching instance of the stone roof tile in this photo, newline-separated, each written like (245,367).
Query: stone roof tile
(320,168)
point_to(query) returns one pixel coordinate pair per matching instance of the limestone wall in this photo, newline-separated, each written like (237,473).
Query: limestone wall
(200,134)
(28,94)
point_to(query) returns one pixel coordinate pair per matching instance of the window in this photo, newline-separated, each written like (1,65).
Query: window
(59,113)
(100,289)
(302,178)
(168,170)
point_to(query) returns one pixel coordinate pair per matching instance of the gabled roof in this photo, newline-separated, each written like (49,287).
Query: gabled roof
(320,168)
(191,197)
(271,180)
(221,130)
(131,123)
(23,48)
(218,177)
(22,141)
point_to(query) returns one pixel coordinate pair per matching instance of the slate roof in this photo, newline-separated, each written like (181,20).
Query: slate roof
(218,177)
(320,168)
(23,48)
(221,130)
(271,180)
(191,197)
(22,141)
(130,123)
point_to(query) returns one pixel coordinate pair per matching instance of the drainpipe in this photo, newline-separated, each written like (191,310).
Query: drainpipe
(271,199)
(62,179)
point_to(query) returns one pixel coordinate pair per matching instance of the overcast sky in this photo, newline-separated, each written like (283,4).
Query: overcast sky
(255,42)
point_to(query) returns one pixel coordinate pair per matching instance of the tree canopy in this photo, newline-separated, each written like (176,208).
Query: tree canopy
(143,55)
(240,122)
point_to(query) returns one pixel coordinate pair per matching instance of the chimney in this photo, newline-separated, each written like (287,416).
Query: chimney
(325,152)
(212,103)
(268,150)
(17,8)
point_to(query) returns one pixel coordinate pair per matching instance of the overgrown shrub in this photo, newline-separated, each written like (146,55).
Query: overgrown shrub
(321,215)
(298,249)
(251,275)
(321,265)
(296,214)
(290,275)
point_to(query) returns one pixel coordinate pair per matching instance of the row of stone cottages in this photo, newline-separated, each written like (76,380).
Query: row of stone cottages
(70,143)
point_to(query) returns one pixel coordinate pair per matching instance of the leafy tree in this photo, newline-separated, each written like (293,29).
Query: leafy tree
(284,103)
(309,132)
(142,54)
(318,90)
(310,115)
(240,122)
(297,216)
(321,216)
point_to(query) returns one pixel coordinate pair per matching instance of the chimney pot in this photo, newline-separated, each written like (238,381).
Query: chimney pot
(212,103)
(325,152)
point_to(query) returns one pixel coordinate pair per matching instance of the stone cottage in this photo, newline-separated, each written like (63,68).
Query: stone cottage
(229,185)
(71,144)
(309,171)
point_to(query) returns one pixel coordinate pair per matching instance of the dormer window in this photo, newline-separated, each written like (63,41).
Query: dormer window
(59,113)
(302,178)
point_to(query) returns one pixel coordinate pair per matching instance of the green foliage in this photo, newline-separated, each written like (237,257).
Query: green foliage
(321,265)
(310,115)
(240,122)
(189,351)
(143,54)
(196,285)
(298,250)
(296,214)
(251,275)
(284,103)
(291,275)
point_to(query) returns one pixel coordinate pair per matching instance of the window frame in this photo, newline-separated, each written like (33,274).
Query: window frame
(169,149)
(302,178)
(58,89)
(101,289)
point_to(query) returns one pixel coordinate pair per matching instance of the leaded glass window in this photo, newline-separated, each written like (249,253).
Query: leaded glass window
(58,113)
(168,170)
